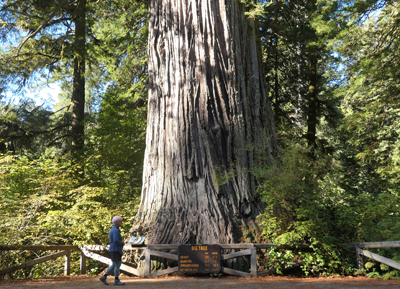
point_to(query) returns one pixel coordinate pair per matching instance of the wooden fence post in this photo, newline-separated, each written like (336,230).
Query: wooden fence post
(83,264)
(147,262)
(253,261)
(360,262)
(67,265)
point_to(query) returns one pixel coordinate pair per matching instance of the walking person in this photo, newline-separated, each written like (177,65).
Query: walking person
(116,245)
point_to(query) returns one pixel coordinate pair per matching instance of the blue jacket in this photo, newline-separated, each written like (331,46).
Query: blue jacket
(116,243)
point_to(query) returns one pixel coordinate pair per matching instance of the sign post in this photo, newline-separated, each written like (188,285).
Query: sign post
(199,258)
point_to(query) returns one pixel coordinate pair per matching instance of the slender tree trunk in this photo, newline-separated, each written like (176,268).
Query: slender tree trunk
(78,93)
(277,97)
(209,123)
(312,102)
(313,84)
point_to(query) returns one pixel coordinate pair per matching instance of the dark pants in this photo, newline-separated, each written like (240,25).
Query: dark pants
(116,259)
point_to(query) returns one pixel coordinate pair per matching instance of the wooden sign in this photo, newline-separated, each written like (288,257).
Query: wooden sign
(199,258)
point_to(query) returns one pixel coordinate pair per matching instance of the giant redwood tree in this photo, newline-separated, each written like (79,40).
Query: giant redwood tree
(209,123)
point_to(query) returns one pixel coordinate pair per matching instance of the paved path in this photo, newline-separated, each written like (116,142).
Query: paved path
(90,282)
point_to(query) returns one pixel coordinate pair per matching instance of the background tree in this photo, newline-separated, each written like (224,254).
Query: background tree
(59,208)
(75,43)
(51,32)
(370,127)
(350,194)
(78,87)
(294,35)
(27,127)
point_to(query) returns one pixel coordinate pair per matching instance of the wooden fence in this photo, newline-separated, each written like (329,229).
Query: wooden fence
(361,252)
(156,250)
(150,250)
(86,253)
(66,252)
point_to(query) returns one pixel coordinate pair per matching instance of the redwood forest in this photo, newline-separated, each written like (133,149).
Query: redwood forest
(201,122)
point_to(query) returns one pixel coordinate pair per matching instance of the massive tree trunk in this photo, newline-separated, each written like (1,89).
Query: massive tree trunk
(209,123)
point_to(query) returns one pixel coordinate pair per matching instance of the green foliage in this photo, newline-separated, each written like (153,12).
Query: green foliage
(278,260)
(120,48)
(47,199)
(305,205)
(38,42)
(115,148)
(294,36)
(370,127)
(42,203)
(371,124)
(349,190)
(42,47)
(30,129)
(296,204)
(382,271)
(317,260)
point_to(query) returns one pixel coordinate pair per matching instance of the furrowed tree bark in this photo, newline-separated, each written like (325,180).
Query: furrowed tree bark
(209,123)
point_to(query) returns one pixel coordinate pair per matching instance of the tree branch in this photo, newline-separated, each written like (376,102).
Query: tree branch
(40,27)
(58,138)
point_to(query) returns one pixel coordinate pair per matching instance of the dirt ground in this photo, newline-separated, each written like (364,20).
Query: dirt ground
(225,282)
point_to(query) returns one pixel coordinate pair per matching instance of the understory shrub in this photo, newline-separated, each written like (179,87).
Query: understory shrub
(41,203)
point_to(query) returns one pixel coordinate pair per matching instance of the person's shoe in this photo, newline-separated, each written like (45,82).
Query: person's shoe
(104,280)
(117,282)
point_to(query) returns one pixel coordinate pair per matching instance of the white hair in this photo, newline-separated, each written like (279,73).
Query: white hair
(116,219)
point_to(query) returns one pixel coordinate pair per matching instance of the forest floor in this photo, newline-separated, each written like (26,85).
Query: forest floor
(225,282)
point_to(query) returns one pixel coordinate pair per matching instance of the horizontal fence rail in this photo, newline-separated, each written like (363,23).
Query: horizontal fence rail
(360,252)
(37,247)
(66,252)
(87,254)
(34,262)
(386,244)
